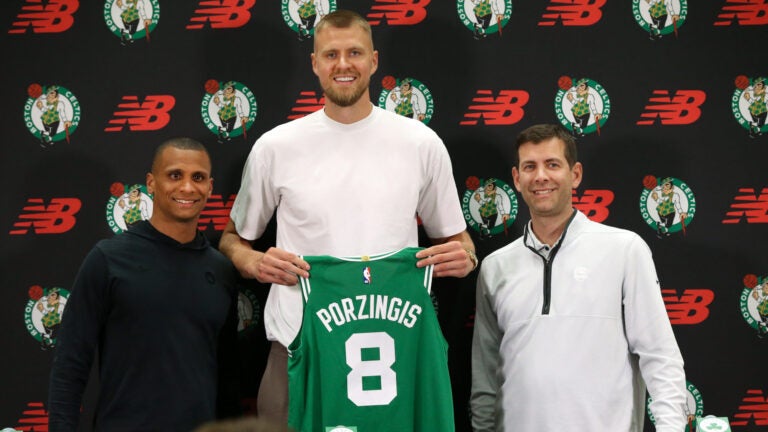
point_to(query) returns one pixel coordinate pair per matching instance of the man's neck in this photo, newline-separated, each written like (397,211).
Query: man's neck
(182,232)
(349,114)
(549,229)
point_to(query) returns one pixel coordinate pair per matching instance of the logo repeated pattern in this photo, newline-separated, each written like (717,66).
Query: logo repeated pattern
(475,61)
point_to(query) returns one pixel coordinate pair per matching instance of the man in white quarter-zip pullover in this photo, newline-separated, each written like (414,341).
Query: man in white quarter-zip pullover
(570,326)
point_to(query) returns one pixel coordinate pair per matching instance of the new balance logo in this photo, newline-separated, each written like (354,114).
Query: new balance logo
(593,203)
(572,12)
(35,418)
(504,109)
(221,14)
(748,206)
(52,16)
(55,218)
(152,114)
(743,12)
(753,410)
(307,103)
(216,213)
(398,12)
(690,308)
(681,109)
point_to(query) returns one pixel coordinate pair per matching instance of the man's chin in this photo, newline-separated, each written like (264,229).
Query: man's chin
(344,100)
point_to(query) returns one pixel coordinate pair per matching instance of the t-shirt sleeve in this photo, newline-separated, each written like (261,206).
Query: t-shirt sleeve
(256,200)
(439,207)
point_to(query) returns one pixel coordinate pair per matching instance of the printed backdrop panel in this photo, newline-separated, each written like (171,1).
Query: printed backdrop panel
(666,98)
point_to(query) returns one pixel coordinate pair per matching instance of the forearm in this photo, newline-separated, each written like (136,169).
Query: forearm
(238,250)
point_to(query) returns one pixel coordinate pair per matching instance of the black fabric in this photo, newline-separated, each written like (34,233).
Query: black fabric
(152,308)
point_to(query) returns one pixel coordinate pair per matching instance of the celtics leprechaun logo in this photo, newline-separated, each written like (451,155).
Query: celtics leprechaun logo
(131,20)
(749,104)
(484,17)
(582,105)
(128,205)
(660,17)
(228,109)
(489,206)
(407,97)
(667,205)
(248,309)
(302,15)
(42,315)
(51,113)
(754,303)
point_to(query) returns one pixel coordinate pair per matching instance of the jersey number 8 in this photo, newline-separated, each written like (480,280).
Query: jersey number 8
(381,367)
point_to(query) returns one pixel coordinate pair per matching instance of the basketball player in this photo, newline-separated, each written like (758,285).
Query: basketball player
(347,180)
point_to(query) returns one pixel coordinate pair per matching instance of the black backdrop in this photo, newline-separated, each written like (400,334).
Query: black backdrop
(672,106)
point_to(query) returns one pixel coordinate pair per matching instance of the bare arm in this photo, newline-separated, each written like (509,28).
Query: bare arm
(273,266)
(449,255)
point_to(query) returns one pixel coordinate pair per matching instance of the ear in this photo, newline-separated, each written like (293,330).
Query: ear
(210,188)
(314,63)
(577,171)
(374,62)
(150,183)
(516,178)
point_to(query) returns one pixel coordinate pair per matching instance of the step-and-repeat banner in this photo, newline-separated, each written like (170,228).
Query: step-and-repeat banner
(666,97)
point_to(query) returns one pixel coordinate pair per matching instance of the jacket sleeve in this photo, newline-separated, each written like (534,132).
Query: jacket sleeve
(485,361)
(650,337)
(77,341)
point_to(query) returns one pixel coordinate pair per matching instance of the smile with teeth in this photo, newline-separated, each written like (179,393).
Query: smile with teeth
(543,191)
(185,202)
(344,79)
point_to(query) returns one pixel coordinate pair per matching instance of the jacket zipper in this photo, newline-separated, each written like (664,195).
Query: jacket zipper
(548,265)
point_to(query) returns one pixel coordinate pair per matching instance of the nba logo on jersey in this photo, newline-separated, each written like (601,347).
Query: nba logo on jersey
(341,428)
(367,275)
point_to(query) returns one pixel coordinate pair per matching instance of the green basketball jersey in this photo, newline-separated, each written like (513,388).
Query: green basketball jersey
(370,355)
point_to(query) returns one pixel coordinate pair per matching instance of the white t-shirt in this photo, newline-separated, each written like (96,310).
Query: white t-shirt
(344,190)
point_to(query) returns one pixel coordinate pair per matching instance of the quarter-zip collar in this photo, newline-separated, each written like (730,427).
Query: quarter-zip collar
(547,255)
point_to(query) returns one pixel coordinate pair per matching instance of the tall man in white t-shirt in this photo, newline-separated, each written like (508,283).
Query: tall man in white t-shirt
(348,180)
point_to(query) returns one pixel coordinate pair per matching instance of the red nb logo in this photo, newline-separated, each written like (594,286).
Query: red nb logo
(690,308)
(593,203)
(748,206)
(572,12)
(504,109)
(743,12)
(55,218)
(307,103)
(681,109)
(398,12)
(54,16)
(152,114)
(221,14)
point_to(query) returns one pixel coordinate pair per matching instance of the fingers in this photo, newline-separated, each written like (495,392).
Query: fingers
(281,267)
(449,259)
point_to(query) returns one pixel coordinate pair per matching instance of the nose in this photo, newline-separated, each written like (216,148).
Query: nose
(344,60)
(540,174)
(187,184)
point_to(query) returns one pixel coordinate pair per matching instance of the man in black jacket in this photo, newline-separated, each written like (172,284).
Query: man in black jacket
(156,303)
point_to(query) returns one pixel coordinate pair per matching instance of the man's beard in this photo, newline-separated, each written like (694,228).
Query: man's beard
(347,98)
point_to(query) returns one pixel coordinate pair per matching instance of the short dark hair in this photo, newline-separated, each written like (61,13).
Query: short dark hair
(544,132)
(181,143)
(343,18)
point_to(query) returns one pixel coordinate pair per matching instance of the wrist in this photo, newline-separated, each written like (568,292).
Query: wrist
(472,258)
